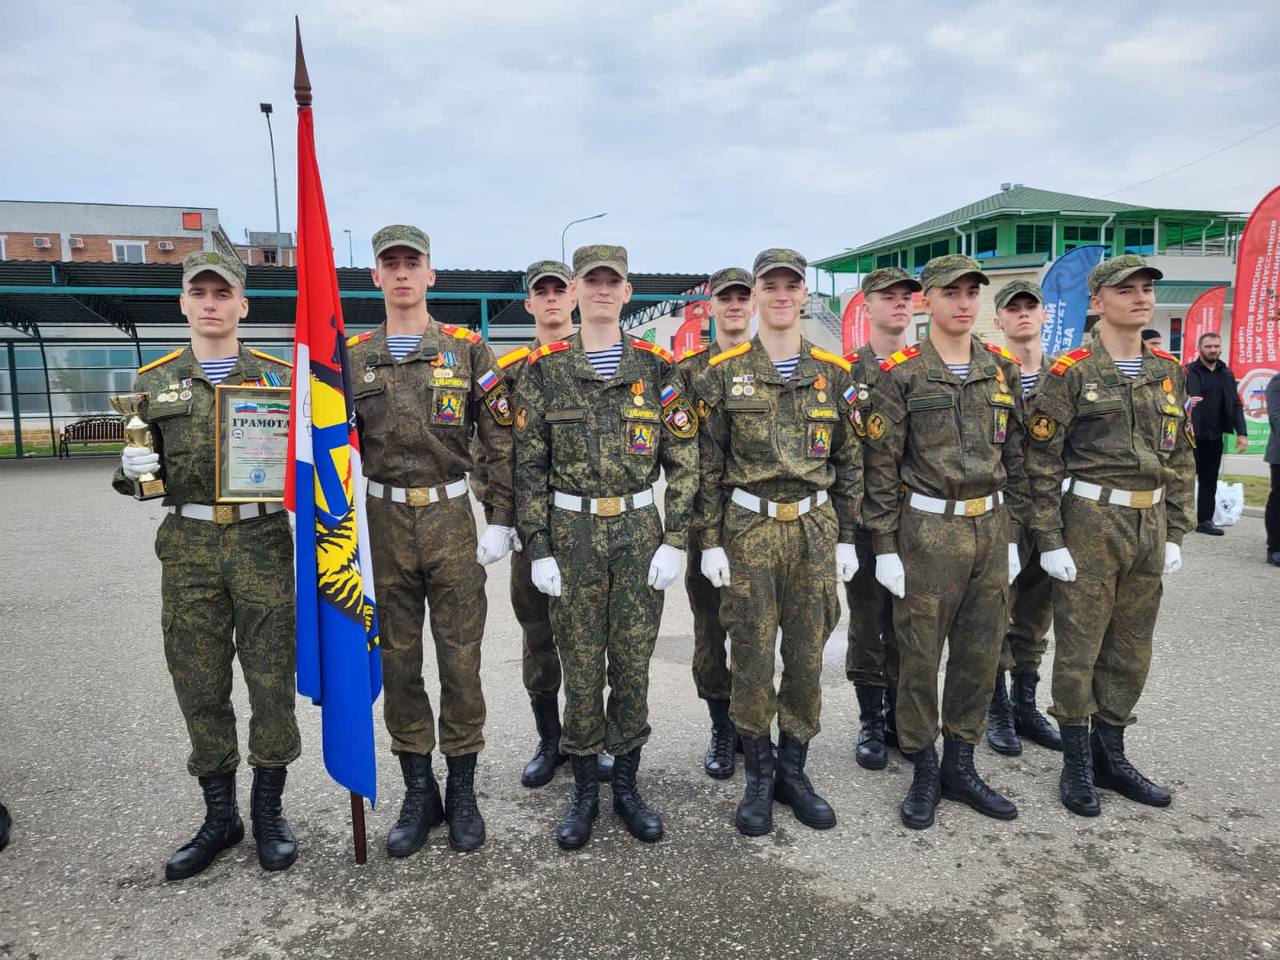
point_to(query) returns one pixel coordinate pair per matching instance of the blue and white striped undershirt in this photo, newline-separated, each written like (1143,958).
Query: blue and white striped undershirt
(787,367)
(961,370)
(217,370)
(606,361)
(1130,368)
(1029,382)
(403,344)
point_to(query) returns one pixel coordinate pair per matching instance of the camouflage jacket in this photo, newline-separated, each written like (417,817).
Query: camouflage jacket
(690,366)
(1088,420)
(782,440)
(933,434)
(417,416)
(581,434)
(180,412)
(510,365)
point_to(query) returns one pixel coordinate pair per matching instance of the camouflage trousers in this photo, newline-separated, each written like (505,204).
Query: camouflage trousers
(1030,612)
(957,573)
(781,575)
(606,623)
(1103,623)
(539,659)
(427,556)
(218,581)
(710,651)
(871,658)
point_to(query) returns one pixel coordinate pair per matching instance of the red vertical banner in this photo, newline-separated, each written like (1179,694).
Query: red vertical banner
(853,324)
(689,336)
(1205,316)
(1255,315)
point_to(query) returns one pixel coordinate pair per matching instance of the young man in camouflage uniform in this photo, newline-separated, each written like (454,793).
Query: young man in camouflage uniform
(1110,421)
(597,415)
(871,660)
(945,450)
(781,485)
(1020,316)
(226,574)
(731,309)
(421,388)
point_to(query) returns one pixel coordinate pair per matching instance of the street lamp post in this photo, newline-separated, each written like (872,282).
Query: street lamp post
(570,224)
(351,258)
(275,182)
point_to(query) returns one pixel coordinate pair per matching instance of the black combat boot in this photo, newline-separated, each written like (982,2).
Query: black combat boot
(1075,784)
(222,828)
(1000,732)
(466,826)
(1028,721)
(791,786)
(277,846)
(891,718)
(1113,771)
(925,790)
(421,809)
(755,810)
(642,822)
(546,716)
(720,762)
(584,806)
(960,782)
(871,752)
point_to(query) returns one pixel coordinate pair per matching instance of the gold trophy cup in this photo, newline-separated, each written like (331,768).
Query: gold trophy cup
(138,434)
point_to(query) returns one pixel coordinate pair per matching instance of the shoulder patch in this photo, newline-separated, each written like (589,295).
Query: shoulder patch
(692,352)
(1167,356)
(819,354)
(648,347)
(513,356)
(460,333)
(359,338)
(1068,360)
(165,359)
(851,356)
(547,349)
(266,356)
(897,357)
(1001,351)
(737,351)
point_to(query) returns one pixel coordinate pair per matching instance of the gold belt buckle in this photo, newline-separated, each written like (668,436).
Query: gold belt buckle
(608,506)
(224,513)
(788,511)
(975,506)
(417,496)
(1142,499)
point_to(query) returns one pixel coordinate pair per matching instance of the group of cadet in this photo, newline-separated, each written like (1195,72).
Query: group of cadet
(965,494)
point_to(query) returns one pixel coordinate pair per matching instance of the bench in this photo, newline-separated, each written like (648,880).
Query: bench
(90,430)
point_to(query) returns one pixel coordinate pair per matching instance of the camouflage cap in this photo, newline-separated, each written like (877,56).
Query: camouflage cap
(730,277)
(1111,272)
(941,271)
(547,268)
(401,235)
(586,259)
(887,277)
(229,269)
(1015,287)
(780,257)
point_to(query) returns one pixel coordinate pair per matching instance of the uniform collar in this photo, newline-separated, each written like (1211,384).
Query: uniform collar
(981,364)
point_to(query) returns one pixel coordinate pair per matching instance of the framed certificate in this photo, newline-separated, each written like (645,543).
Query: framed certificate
(252,443)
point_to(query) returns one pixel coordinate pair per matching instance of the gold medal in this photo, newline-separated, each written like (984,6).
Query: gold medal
(370,376)
(737,390)
(864,394)
(638,400)
(1091,395)
(1171,398)
(822,396)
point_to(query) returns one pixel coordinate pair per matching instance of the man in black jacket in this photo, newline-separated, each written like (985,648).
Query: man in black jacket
(1215,410)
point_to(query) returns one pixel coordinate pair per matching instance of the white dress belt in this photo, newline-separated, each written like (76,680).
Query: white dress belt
(225,512)
(778,511)
(1135,499)
(603,506)
(418,496)
(973,507)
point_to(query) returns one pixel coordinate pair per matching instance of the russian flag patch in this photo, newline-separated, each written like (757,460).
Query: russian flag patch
(668,395)
(488,380)
(849,393)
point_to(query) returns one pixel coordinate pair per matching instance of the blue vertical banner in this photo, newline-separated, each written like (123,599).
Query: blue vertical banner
(1066,298)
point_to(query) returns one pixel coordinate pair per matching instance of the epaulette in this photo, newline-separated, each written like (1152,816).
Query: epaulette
(819,354)
(737,351)
(1001,351)
(359,338)
(1160,353)
(459,333)
(851,356)
(1068,360)
(513,356)
(897,357)
(692,352)
(547,349)
(266,356)
(645,345)
(165,359)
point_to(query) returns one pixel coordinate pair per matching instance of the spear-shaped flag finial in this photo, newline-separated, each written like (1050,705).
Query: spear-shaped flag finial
(301,81)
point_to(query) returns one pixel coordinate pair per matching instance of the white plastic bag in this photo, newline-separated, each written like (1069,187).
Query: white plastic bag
(1229,504)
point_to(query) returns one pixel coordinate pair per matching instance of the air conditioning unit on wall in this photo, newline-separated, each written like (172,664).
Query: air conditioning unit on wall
(42,243)
(75,243)
(165,245)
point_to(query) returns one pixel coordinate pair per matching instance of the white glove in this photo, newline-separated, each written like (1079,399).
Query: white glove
(545,574)
(135,461)
(890,574)
(1172,558)
(846,561)
(1059,565)
(1015,565)
(495,543)
(664,567)
(715,566)
(516,545)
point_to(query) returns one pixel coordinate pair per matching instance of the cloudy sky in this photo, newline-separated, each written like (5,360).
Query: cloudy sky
(706,129)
